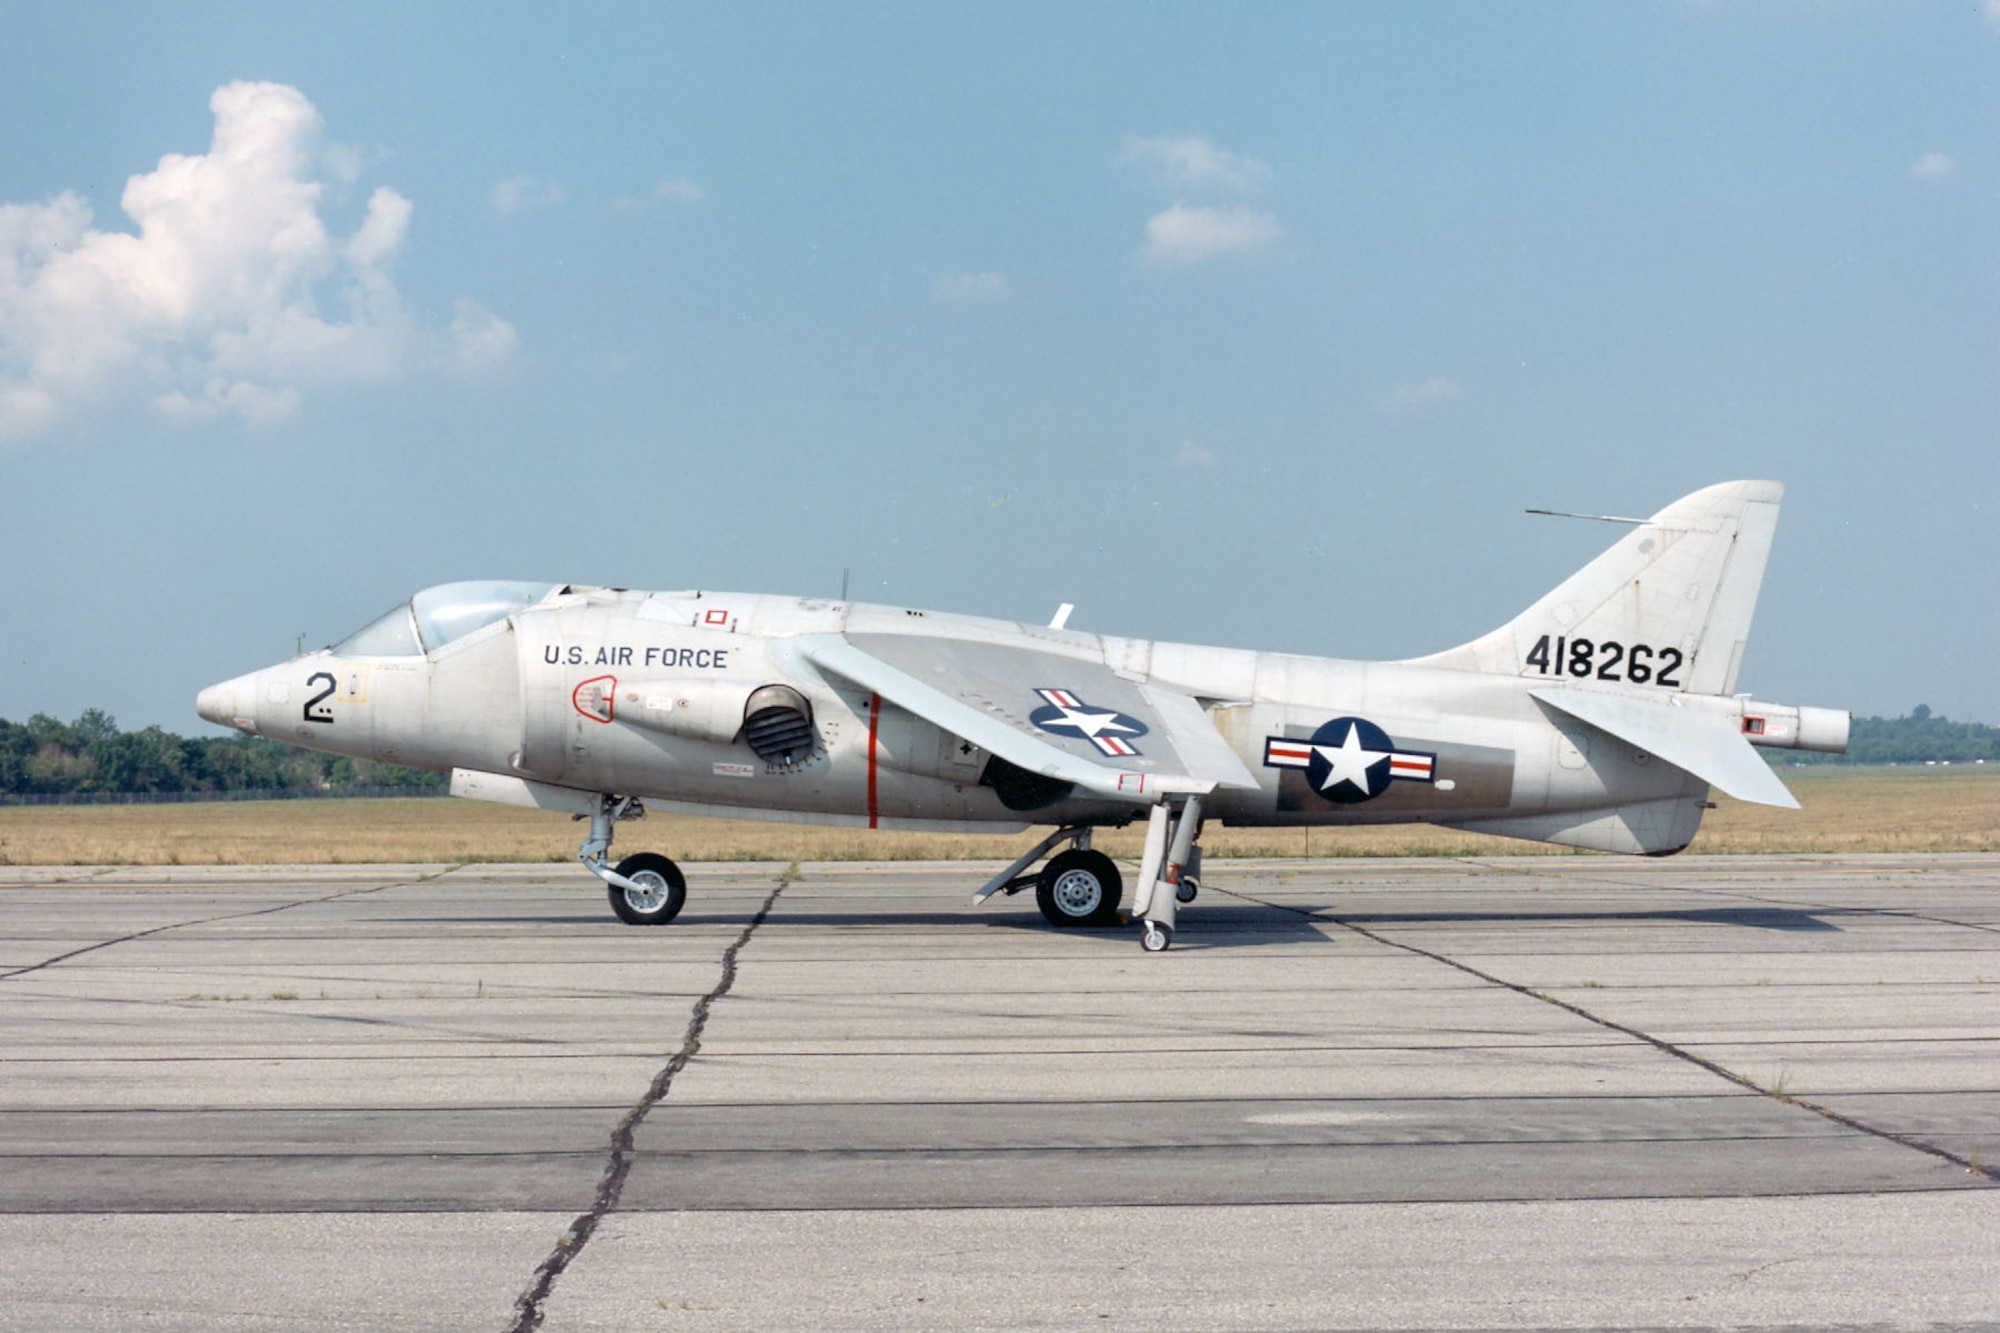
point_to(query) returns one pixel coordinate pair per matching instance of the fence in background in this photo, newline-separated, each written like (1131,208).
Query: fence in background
(194,797)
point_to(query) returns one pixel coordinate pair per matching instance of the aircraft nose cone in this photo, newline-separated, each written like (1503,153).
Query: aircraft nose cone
(216,704)
(224,704)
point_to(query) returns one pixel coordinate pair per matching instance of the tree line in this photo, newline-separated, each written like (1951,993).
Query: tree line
(90,756)
(1921,737)
(47,757)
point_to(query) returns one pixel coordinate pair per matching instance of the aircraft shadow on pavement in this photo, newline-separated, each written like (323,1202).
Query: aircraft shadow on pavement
(1221,925)
(1754,918)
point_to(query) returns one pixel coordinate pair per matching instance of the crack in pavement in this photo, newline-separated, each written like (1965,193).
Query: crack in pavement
(205,921)
(530,1305)
(1658,1043)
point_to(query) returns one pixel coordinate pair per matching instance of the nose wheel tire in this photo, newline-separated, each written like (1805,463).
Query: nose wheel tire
(1187,888)
(1079,888)
(1156,938)
(659,889)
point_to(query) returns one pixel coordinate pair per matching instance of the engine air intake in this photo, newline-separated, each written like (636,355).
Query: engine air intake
(777,725)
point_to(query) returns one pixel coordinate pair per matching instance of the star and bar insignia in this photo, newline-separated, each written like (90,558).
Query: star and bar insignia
(1063,714)
(1349,759)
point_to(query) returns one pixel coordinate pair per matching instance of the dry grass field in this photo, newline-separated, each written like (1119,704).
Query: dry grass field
(1954,809)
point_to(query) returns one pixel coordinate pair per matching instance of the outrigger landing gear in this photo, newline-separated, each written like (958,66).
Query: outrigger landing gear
(1164,878)
(646,889)
(1078,887)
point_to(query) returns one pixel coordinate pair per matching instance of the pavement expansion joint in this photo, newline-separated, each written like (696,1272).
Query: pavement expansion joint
(205,921)
(531,1306)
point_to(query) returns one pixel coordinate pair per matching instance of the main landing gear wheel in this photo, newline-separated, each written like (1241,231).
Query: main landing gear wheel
(660,892)
(1157,937)
(1080,888)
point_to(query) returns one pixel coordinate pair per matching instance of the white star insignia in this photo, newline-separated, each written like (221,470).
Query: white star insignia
(1349,762)
(1089,723)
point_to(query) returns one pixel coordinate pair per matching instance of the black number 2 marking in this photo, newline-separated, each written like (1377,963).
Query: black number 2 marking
(317,708)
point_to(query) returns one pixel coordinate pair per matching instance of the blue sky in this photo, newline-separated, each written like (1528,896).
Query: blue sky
(1245,325)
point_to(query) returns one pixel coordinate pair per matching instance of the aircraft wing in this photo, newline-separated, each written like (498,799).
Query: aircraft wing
(1706,745)
(1066,718)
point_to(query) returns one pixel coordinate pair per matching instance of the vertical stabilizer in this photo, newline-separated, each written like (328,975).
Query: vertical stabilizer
(1668,606)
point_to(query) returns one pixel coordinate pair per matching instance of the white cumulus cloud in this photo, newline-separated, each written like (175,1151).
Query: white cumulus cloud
(1931,166)
(679,189)
(1185,234)
(971,287)
(517,194)
(230,298)
(1409,397)
(1195,162)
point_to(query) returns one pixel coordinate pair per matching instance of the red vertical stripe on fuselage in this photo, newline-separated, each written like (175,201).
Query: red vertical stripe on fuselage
(874,728)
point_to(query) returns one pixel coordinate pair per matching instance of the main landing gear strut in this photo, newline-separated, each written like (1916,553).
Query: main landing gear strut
(1078,887)
(646,889)
(1082,887)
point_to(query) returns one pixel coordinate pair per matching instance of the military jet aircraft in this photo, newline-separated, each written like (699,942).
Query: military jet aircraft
(1600,717)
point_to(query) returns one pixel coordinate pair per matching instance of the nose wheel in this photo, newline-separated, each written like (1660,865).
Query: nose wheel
(1156,938)
(653,893)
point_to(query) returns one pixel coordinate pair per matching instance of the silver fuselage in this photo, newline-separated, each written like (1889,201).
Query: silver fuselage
(598,690)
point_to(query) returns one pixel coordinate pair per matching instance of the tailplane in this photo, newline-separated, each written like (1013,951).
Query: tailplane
(1668,606)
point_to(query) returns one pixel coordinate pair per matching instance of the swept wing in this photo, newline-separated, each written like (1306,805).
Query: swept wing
(988,693)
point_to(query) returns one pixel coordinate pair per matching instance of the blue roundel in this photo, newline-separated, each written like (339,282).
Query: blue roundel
(1111,731)
(1350,760)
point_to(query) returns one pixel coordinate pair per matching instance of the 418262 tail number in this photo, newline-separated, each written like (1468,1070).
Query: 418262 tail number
(1587,659)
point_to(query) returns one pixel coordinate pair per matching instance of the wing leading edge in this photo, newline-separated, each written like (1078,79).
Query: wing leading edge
(987,694)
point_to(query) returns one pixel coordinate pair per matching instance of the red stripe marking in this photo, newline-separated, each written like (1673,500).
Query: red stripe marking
(874,729)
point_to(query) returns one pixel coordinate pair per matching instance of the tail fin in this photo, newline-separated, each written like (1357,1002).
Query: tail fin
(1669,605)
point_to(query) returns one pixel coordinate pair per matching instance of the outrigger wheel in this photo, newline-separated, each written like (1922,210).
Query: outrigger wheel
(1080,888)
(660,890)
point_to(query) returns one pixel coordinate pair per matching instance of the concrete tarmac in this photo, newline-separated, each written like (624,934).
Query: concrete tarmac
(1561,1092)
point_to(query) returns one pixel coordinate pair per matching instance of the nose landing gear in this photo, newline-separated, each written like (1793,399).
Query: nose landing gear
(646,889)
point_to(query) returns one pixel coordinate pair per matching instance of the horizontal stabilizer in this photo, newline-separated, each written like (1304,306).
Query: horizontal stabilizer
(1707,745)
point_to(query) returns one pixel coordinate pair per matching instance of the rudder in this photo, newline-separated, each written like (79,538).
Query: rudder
(1669,605)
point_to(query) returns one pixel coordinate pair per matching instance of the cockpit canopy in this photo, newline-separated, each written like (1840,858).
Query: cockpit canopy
(437,616)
